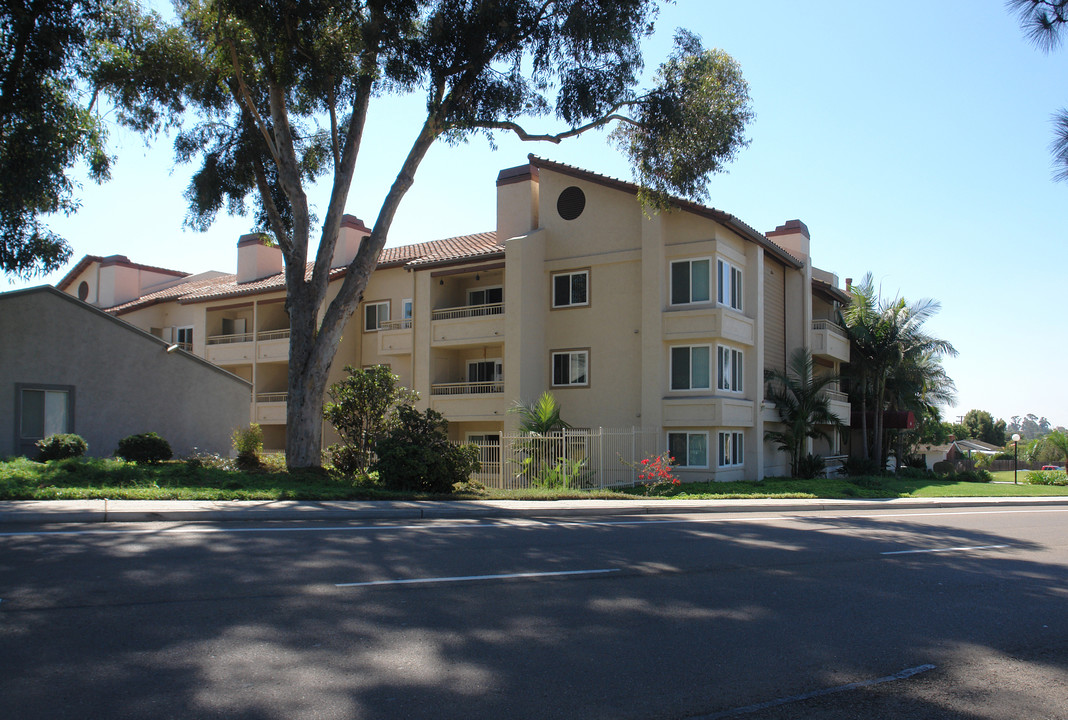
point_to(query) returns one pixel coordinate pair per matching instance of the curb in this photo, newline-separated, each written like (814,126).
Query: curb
(43,512)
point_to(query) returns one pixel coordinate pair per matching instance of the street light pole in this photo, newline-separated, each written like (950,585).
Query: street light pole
(1015,456)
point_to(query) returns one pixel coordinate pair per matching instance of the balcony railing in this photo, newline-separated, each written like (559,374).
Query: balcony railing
(836,396)
(831,326)
(272,335)
(272,397)
(229,339)
(187,346)
(404,324)
(468,311)
(468,388)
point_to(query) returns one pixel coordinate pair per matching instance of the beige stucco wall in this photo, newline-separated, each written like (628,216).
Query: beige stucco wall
(124,380)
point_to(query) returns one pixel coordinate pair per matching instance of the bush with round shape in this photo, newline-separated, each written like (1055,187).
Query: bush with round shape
(146,448)
(61,446)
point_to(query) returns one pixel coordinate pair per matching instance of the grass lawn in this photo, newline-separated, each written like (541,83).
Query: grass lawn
(22,479)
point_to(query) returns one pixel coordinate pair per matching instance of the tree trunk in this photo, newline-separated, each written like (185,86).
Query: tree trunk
(309,368)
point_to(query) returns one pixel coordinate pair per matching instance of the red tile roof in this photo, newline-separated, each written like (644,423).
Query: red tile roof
(450,250)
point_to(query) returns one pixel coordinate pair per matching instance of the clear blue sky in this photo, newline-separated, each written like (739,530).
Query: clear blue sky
(911,137)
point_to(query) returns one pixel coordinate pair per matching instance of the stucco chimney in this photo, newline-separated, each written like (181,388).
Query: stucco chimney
(792,236)
(256,259)
(353,231)
(517,202)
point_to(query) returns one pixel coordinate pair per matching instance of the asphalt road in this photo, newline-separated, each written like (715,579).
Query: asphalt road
(913,613)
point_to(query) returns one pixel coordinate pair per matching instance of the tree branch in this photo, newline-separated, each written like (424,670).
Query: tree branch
(558,137)
(245,98)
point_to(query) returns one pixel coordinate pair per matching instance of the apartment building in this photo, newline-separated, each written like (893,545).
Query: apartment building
(664,322)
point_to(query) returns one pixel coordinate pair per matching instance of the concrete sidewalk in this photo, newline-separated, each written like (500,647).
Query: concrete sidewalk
(96,511)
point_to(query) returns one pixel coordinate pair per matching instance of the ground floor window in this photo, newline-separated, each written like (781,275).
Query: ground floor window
(44,411)
(690,449)
(731,449)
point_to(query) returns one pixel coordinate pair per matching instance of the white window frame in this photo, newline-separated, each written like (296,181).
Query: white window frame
(378,315)
(685,462)
(730,449)
(692,385)
(60,395)
(498,369)
(728,284)
(570,275)
(671,281)
(730,369)
(569,353)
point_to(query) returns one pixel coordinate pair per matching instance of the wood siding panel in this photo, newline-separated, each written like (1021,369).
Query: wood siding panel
(774,315)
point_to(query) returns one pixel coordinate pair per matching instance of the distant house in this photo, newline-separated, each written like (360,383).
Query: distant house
(957,450)
(66,366)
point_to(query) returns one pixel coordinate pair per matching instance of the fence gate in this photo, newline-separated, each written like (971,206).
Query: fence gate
(595,458)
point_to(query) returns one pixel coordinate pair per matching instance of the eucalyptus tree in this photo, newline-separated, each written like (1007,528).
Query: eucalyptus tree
(48,122)
(1043,21)
(886,336)
(281,91)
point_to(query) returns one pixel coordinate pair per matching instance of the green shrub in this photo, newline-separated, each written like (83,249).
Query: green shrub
(248,443)
(910,472)
(1045,477)
(943,467)
(977,475)
(148,448)
(211,461)
(859,467)
(811,466)
(417,454)
(363,409)
(61,446)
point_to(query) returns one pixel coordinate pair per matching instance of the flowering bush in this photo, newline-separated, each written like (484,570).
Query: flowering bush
(655,471)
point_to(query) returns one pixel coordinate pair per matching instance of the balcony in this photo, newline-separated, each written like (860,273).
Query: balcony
(829,340)
(395,337)
(232,349)
(467,325)
(469,401)
(272,346)
(271,408)
(839,405)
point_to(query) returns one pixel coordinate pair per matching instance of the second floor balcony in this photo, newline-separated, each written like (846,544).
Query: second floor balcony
(246,347)
(467,325)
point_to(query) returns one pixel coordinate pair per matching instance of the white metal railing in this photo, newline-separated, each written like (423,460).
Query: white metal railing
(468,311)
(404,324)
(468,388)
(596,458)
(187,346)
(831,326)
(272,335)
(272,397)
(230,339)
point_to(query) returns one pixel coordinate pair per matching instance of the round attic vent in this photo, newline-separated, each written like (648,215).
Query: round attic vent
(83,290)
(571,203)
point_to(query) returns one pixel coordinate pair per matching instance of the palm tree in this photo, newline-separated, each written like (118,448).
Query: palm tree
(919,384)
(886,336)
(540,417)
(1058,439)
(802,403)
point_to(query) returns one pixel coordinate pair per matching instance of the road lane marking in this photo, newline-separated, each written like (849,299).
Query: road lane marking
(465,578)
(943,550)
(903,675)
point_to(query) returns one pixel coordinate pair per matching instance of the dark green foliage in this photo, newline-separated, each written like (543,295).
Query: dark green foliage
(911,471)
(981,425)
(1043,21)
(811,466)
(417,454)
(148,448)
(1046,477)
(802,404)
(61,446)
(944,467)
(248,443)
(859,467)
(363,408)
(978,475)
